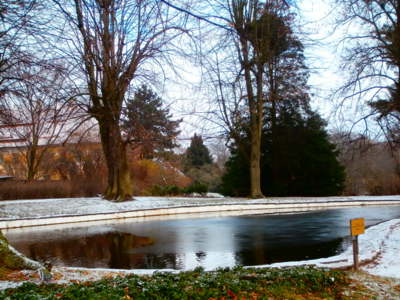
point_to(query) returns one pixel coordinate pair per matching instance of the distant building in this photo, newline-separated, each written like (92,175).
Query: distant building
(9,138)
(17,139)
(6,178)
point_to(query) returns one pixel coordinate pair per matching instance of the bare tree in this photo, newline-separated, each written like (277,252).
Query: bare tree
(16,29)
(36,116)
(372,167)
(20,24)
(116,42)
(372,59)
(257,34)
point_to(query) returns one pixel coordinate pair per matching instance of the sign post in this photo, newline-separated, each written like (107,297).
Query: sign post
(357,227)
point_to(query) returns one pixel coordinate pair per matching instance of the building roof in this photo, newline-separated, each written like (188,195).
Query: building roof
(18,135)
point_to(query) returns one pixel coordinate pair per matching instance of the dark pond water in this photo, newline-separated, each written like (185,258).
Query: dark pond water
(207,242)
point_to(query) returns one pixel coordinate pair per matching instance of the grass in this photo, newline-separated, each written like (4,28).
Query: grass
(239,283)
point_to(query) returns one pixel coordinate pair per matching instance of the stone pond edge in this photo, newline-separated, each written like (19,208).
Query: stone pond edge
(259,208)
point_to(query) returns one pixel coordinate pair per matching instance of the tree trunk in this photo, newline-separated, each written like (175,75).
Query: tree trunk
(31,156)
(12,259)
(255,171)
(256,119)
(119,185)
(255,109)
(275,163)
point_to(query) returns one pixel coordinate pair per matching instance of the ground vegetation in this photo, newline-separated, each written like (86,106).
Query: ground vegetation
(238,283)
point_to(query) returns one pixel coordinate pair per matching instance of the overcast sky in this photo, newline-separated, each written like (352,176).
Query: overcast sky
(321,40)
(317,29)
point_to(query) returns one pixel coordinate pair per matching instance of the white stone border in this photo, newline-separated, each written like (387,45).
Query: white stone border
(263,208)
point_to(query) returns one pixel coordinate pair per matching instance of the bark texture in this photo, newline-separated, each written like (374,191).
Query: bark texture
(119,185)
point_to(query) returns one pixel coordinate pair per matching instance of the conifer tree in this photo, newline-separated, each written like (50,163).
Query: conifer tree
(302,161)
(197,154)
(148,124)
(296,155)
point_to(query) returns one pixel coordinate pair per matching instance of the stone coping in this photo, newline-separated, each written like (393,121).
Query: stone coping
(240,208)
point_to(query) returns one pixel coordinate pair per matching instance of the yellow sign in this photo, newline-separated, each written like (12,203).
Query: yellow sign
(357,226)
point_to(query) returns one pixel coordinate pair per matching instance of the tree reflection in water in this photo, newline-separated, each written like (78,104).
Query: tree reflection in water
(111,250)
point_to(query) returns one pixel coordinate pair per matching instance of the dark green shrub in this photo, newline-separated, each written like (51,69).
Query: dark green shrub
(156,190)
(198,188)
(172,190)
(167,190)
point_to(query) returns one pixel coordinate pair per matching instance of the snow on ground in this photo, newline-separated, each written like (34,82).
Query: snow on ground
(388,262)
(80,206)
(9,284)
(379,252)
(379,248)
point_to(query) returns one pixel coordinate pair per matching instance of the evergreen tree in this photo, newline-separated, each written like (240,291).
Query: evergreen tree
(197,154)
(302,161)
(297,158)
(236,179)
(148,124)
(305,162)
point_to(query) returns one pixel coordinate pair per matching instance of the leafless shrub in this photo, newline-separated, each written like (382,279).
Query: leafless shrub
(14,190)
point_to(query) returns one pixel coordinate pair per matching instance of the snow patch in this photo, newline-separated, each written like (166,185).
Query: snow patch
(379,248)
(9,284)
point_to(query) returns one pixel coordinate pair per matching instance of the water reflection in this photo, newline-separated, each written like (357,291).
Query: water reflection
(207,242)
(99,250)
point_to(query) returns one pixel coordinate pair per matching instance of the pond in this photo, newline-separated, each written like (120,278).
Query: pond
(209,242)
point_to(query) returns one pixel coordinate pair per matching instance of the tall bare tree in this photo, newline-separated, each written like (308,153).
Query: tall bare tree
(116,42)
(258,33)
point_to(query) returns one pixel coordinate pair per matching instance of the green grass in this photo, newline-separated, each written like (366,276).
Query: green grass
(238,283)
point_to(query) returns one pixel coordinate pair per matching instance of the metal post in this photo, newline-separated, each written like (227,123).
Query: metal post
(355,252)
